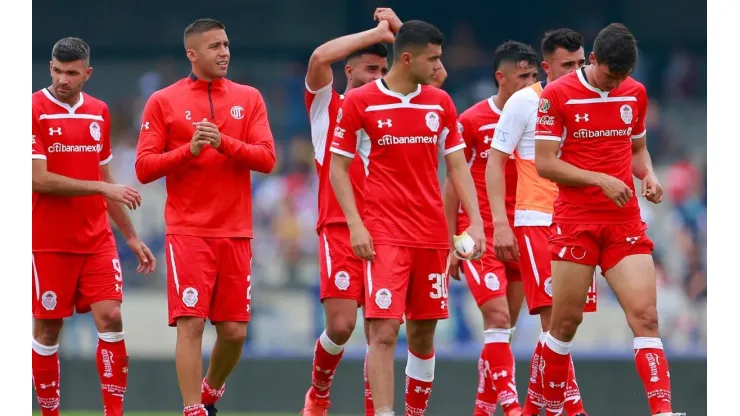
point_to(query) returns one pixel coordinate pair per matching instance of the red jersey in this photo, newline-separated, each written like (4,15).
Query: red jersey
(595,129)
(75,142)
(209,195)
(323,107)
(399,139)
(477,126)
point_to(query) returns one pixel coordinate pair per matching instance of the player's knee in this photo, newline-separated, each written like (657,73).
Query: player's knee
(233,332)
(565,328)
(190,327)
(420,336)
(384,333)
(109,319)
(46,332)
(340,328)
(644,321)
(495,315)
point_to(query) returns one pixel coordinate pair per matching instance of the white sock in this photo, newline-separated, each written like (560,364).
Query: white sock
(329,345)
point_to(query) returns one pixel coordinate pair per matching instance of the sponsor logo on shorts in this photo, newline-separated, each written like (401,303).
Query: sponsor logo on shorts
(49,300)
(341,280)
(383,298)
(190,297)
(492,281)
(548,286)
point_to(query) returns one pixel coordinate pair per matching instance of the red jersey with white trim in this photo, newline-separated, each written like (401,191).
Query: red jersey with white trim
(75,142)
(399,139)
(323,107)
(477,125)
(596,129)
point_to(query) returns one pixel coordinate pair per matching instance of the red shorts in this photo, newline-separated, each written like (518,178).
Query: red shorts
(407,281)
(599,245)
(536,268)
(209,278)
(488,277)
(340,271)
(63,282)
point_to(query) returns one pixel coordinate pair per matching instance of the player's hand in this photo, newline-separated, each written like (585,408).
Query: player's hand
(616,190)
(147,262)
(476,233)
(652,189)
(197,142)
(504,243)
(209,131)
(386,34)
(386,13)
(362,242)
(121,194)
(454,271)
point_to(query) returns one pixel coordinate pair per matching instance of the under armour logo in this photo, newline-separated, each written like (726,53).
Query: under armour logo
(386,123)
(632,240)
(425,390)
(53,131)
(499,375)
(443,305)
(249,308)
(581,117)
(487,139)
(46,386)
(323,371)
(118,287)
(553,385)
(145,126)
(591,299)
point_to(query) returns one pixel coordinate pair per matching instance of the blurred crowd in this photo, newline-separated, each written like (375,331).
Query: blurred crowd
(285,204)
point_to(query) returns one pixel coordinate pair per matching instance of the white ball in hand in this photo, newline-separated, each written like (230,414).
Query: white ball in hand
(464,245)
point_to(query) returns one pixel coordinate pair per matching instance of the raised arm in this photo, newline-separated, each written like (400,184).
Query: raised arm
(319,73)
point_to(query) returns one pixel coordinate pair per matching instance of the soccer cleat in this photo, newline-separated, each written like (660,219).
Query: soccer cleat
(211,409)
(514,412)
(315,406)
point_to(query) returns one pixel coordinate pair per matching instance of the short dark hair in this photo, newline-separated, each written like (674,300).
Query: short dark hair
(568,39)
(616,47)
(416,34)
(514,52)
(70,50)
(201,26)
(377,49)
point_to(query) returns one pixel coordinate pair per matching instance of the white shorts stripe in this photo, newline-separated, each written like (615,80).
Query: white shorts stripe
(327,256)
(174,269)
(369,278)
(35,277)
(473,271)
(531,260)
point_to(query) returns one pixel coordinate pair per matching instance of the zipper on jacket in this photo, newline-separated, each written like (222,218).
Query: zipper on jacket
(210,100)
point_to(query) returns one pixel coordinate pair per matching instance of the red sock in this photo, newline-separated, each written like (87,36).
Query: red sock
(369,407)
(326,359)
(210,395)
(535,398)
(555,365)
(113,371)
(485,400)
(653,370)
(497,351)
(195,410)
(573,403)
(45,369)
(419,377)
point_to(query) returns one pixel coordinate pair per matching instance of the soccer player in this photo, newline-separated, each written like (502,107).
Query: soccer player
(75,264)
(562,53)
(341,274)
(590,140)
(205,134)
(515,67)
(399,125)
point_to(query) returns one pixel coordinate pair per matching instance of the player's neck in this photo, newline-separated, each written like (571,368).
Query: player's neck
(71,101)
(501,98)
(400,83)
(589,72)
(200,75)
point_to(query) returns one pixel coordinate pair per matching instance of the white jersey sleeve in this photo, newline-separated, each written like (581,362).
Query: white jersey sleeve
(517,119)
(317,104)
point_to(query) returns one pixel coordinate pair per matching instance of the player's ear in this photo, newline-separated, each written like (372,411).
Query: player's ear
(545,67)
(592,58)
(499,75)
(88,73)
(190,53)
(348,71)
(406,58)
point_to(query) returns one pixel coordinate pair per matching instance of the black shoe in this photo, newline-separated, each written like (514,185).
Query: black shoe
(211,409)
